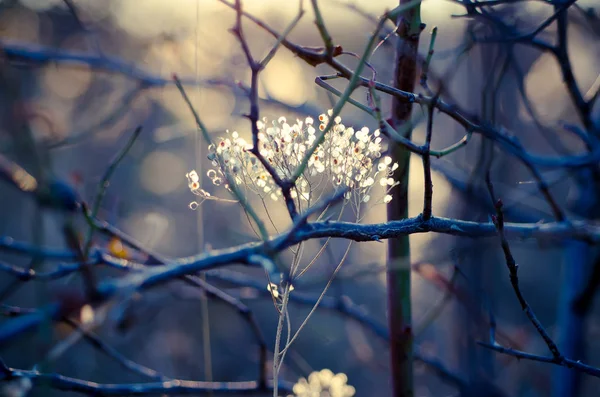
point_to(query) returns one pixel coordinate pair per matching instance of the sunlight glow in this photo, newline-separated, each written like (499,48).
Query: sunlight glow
(161,172)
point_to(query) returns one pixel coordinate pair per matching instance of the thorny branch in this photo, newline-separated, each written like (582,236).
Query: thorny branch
(498,220)
(241,254)
(557,357)
(174,386)
(253,116)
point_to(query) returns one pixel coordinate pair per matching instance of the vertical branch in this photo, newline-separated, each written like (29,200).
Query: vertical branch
(255,68)
(577,269)
(427,62)
(428,195)
(513,269)
(571,336)
(398,271)
(561,53)
(577,255)
(276,350)
(102,187)
(322,29)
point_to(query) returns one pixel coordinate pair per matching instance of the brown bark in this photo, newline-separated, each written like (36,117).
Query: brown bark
(398,273)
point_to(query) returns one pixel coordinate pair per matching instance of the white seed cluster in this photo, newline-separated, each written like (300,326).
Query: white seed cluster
(346,159)
(323,384)
(277,290)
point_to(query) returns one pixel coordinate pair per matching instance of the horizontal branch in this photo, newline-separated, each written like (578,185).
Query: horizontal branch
(565,362)
(27,53)
(351,231)
(61,270)
(394,229)
(241,254)
(170,387)
(9,244)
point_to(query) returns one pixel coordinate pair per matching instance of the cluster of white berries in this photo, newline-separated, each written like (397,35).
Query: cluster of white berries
(346,158)
(323,384)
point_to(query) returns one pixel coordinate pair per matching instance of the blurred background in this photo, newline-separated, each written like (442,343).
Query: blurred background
(79,116)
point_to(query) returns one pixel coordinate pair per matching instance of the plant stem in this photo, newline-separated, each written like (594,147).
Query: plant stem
(398,272)
(276,352)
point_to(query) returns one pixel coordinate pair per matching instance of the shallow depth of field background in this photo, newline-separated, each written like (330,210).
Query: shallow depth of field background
(89,114)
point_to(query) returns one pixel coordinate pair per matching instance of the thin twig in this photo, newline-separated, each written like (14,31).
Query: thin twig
(514,279)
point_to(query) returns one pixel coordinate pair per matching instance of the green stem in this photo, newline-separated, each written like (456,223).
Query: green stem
(398,271)
(104,183)
(237,193)
(322,29)
(276,360)
(352,84)
(397,136)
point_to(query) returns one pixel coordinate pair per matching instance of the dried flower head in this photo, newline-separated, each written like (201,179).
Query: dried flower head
(345,159)
(323,384)
(277,290)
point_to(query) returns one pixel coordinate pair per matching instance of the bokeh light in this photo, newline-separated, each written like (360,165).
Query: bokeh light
(285,81)
(20,25)
(162,172)
(152,228)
